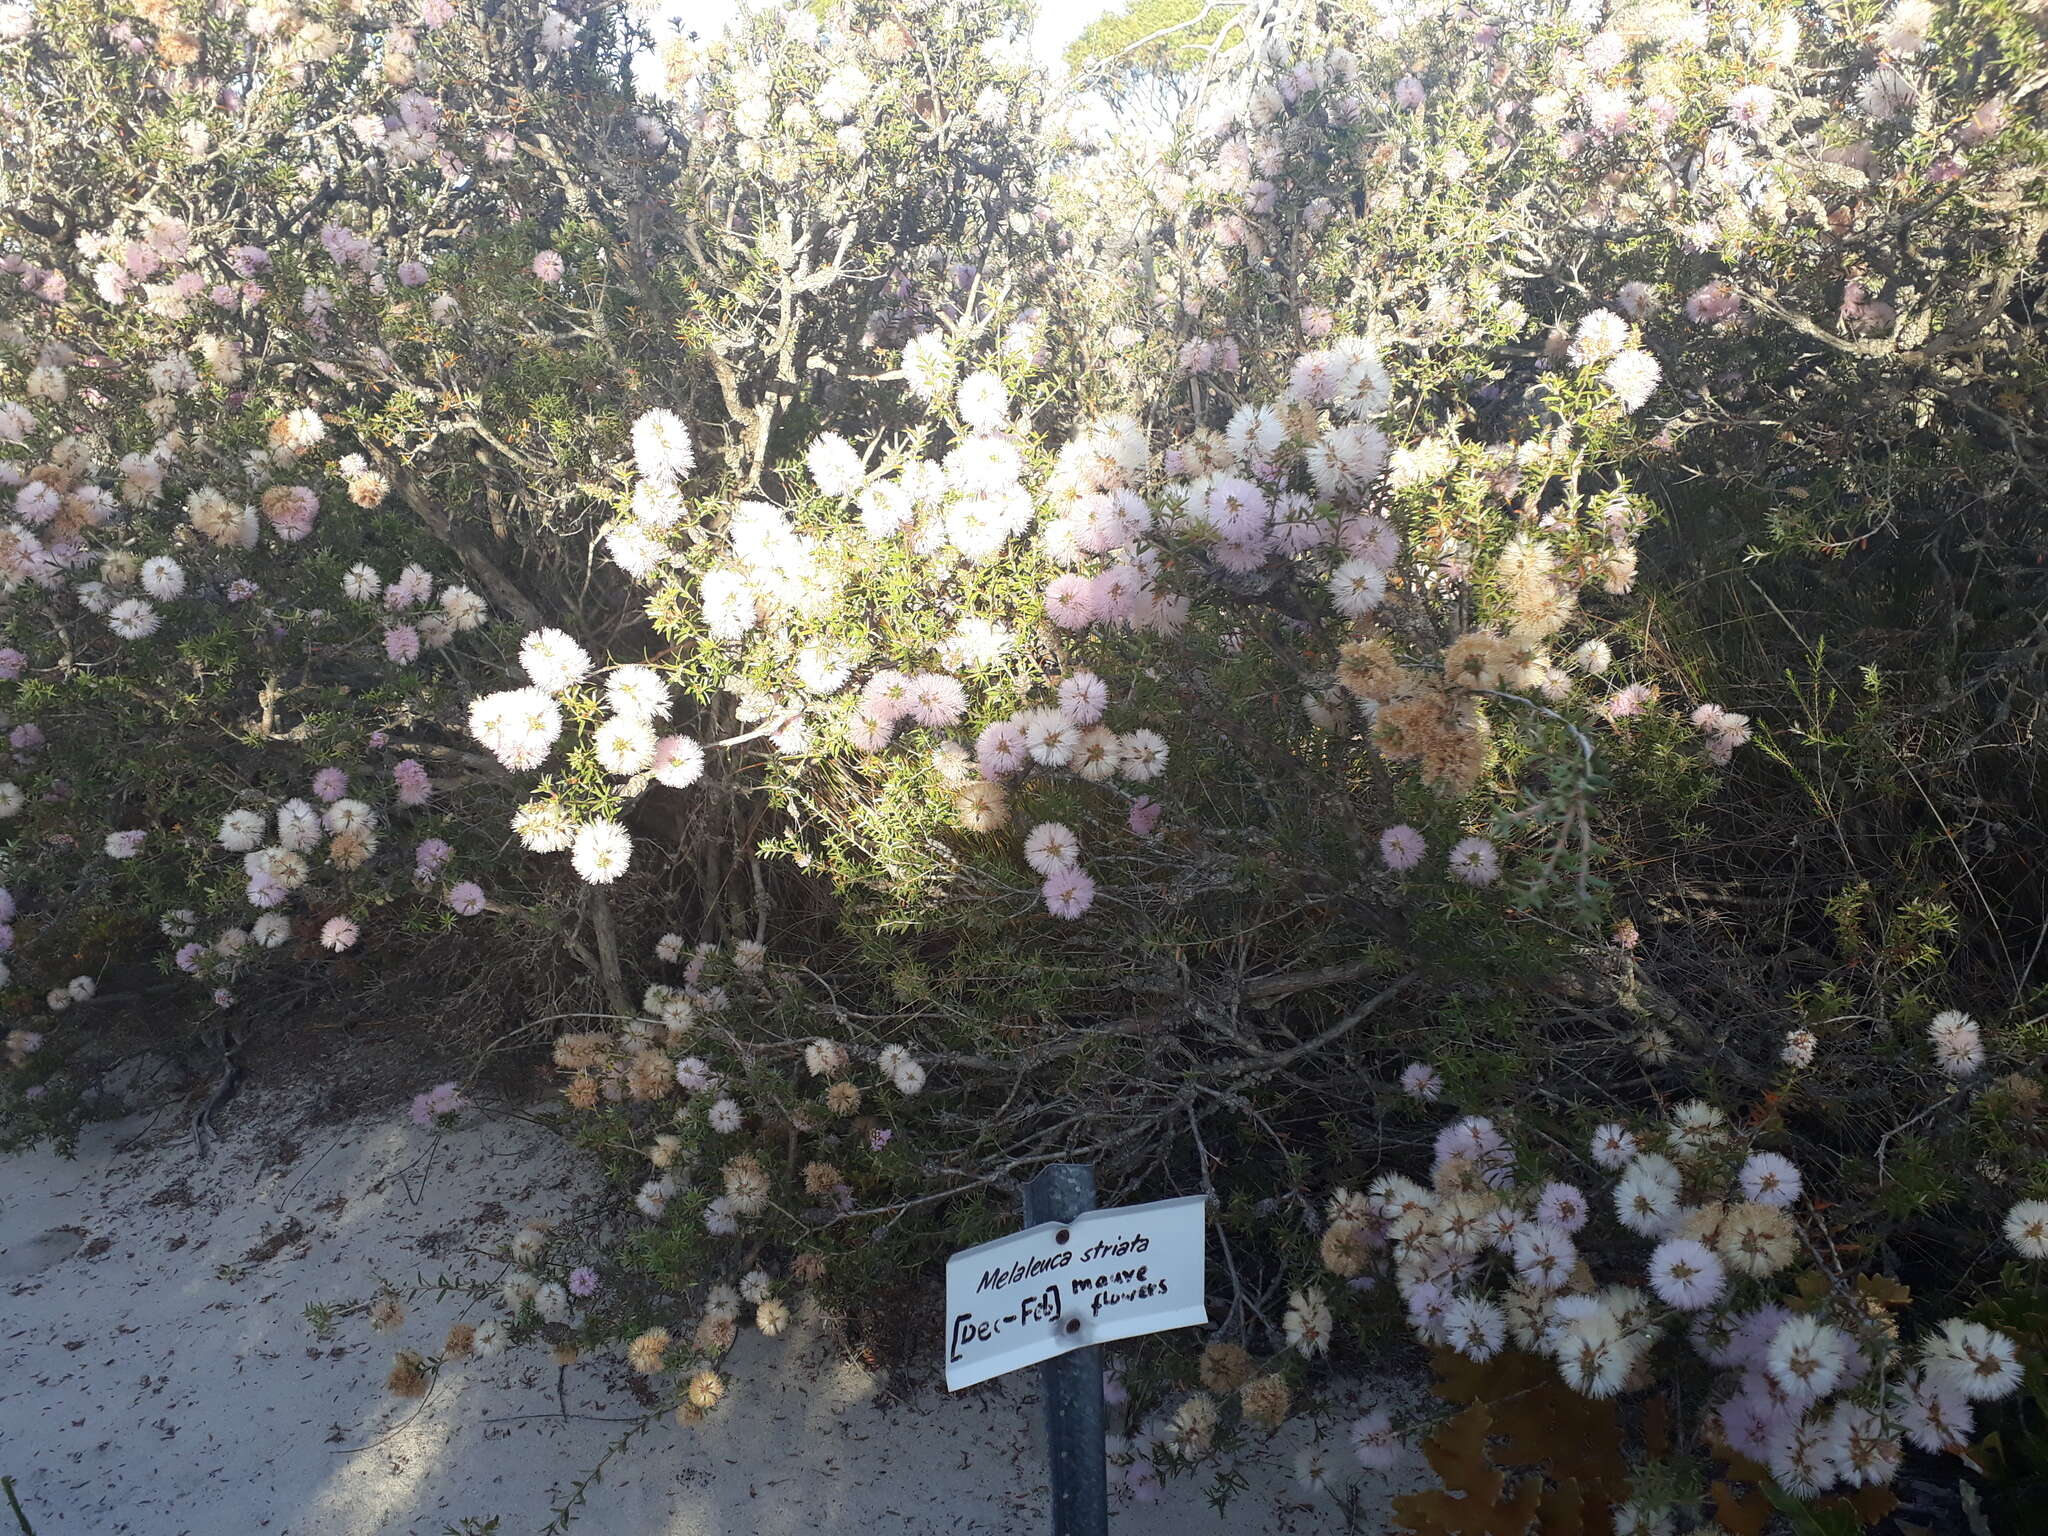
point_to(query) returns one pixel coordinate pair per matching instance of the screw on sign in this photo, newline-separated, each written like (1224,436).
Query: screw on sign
(1074,1278)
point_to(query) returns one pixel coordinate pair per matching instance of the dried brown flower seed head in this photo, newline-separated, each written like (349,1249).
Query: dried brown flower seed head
(387,1314)
(1704,1223)
(1225,1367)
(715,1335)
(842,1098)
(1455,1175)
(180,50)
(461,1342)
(1266,1401)
(408,1376)
(982,806)
(581,1052)
(651,1076)
(1346,1249)
(647,1354)
(1475,660)
(1367,668)
(706,1388)
(1757,1240)
(1655,1046)
(2020,1093)
(819,1179)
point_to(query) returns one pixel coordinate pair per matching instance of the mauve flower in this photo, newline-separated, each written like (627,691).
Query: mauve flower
(1402,847)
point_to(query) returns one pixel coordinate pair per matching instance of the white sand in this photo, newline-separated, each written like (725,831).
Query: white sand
(158,1376)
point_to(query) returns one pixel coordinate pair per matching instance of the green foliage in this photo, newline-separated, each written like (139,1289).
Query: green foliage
(1150,38)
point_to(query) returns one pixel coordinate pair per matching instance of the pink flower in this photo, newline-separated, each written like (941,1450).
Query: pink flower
(430,855)
(1113,594)
(1144,817)
(1402,847)
(1723,729)
(1050,848)
(886,697)
(188,958)
(1475,861)
(291,510)
(1687,1274)
(583,1281)
(1419,1080)
(11,663)
(547,266)
(1068,893)
(1373,1440)
(339,933)
(880,1138)
(467,899)
(1562,1206)
(330,784)
(414,787)
(1082,697)
(868,734)
(693,1075)
(1624,702)
(402,644)
(438,1103)
(1712,304)
(936,699)
(1864,315)
(1000,749)
(1070,601)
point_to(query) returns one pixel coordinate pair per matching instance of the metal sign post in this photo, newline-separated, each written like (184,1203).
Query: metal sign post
(1072,1382)
(1075,1278)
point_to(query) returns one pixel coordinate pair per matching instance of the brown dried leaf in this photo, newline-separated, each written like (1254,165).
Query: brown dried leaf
(1883,1290)
(1741,1514)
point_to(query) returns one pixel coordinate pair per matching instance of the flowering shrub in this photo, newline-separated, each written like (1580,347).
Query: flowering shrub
(1810,1383)
(999,640)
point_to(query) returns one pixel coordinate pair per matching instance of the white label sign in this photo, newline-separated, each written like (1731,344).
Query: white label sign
(1105,1275)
